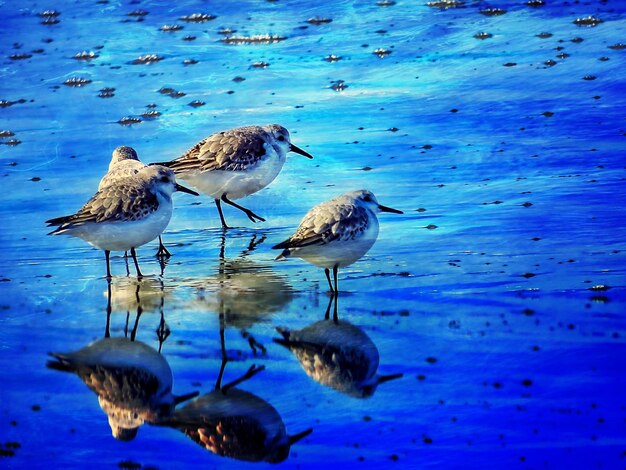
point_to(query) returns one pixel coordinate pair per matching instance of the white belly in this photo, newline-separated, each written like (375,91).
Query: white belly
(122,236)
(235,184)
(339,253)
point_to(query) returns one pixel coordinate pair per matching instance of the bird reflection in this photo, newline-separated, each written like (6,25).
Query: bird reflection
(244,291)
(336,354)
(233,423)
(132,380)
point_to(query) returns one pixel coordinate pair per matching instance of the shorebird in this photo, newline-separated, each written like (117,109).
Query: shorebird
(233,423)
(336,233)
(235,163)
(125,162)
(126,214)
(336,354)
(132,380)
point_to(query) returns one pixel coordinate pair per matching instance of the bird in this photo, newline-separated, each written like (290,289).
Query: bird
(126,214)
(336,233)
(336,354)
(132,380)
(235,424)
(235,163)
(125,162)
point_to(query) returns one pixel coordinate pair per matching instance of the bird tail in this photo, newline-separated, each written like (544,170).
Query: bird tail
(284,341)
(60,223)
(61,363)
(285,254)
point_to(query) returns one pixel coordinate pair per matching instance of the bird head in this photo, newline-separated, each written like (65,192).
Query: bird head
(282,140)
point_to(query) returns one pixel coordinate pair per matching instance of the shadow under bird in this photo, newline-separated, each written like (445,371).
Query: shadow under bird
(132,380)
(235,163)
(336,233)
(126,214)
(125,162)
(337,354)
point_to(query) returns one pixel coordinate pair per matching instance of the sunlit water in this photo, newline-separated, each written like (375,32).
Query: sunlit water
(499,294)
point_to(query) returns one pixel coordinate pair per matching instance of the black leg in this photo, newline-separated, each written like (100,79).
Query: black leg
(251,215)
(252,371)
(335,269)
(162,252)
(107,328)
(220,375)
(335,314)
(134,255)
(133,333)
(218,203)
(330,284)
(254,344)
(107,255)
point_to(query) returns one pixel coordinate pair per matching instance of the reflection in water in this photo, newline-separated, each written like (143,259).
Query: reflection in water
(132,294)
(234,423)
(243,291)
(132,380)
(337,354)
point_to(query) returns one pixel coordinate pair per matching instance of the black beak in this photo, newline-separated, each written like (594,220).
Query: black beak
(293,148)
(389,209)
(387,378)
(178,187)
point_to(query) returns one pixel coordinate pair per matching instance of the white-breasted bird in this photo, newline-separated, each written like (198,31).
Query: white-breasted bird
(125,162)
(337,354)
(126,214)
(336,233)
(235,163)
(133,382)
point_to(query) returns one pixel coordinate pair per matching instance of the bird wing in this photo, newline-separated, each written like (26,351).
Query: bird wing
(126,200)
(328,222)
(120,170)
(231,150)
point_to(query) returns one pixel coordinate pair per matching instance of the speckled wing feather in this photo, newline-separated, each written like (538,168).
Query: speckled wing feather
(237,437)
(122,201)
(232,150)
(120,170)
(327,222)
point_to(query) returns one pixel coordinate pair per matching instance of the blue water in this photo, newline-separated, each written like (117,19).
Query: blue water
(499,294)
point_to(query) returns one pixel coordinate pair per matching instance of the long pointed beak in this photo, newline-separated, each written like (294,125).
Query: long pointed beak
(387,378)
(297,437)
(293,148)
(389,209)
(185,190)
(178,399)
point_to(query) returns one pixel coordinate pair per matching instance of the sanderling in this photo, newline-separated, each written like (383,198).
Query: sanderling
(125,162)
(126,214)
(234,423)
(236,163)
(336,233)
(338,355)
(132,380)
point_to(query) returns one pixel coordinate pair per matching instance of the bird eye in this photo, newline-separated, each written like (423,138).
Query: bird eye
(281,137)
(165,179)
(367,198)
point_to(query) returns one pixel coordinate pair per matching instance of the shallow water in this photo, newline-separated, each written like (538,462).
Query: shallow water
(499,294)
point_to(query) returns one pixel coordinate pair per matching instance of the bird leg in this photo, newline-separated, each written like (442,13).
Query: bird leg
(335,270)
(251,215)
(254,344)
(107,255)
(134,255)
(218,203)
(330,284)
(252,371)
(162,252)
(107,328)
